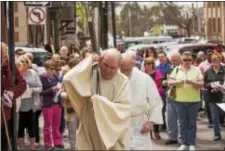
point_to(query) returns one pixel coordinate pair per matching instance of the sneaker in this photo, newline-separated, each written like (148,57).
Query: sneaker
(59,146)
(183,147)
(210,126)
(157,136)
(217,138)
(49,148)
(191,147)
(222,124)
(171,142)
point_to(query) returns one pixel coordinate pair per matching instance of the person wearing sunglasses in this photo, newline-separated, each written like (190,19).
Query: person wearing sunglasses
(30,102)
(215,73)
(187,80)
(204,66)
(51,108)
(156,75)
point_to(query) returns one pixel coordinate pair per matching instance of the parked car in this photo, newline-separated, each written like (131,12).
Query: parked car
(40,56)
(142,46)
(193,47)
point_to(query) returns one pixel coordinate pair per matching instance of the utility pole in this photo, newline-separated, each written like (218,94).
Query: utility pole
(113,23)
(12,67)
(103,10)
(105,26)
(130,22)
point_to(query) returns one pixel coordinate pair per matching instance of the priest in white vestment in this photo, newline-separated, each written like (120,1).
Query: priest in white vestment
(146,104)
(104,107)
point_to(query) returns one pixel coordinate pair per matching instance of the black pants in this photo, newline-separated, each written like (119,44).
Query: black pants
(164,116)
(208,113)
(37,131)
(164,112)
(26,120)
(4,144)
(63,122)
(156,128)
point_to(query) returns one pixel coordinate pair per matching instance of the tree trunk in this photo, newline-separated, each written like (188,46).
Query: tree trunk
(188,31)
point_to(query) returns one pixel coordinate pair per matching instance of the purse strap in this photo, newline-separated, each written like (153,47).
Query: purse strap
(95,80)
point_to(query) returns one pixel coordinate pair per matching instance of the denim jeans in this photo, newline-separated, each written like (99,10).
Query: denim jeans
(72,128)
(187,116)
(215,113)
(172,120)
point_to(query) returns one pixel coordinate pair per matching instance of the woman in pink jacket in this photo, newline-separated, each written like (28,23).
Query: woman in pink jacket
(150,69)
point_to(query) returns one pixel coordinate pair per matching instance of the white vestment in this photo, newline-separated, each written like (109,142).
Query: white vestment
(104,119)
(146,106)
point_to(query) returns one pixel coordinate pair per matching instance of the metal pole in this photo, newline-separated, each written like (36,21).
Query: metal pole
(45,29)
(36,36)
(4,20)
(12,67)
(105,26)
(113,23)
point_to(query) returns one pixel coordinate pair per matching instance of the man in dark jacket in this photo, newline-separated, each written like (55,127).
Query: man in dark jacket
(12,91)
(172,126)
(50,46)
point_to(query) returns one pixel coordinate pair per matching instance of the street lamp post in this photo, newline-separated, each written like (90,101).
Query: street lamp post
(113,23)
(12,67)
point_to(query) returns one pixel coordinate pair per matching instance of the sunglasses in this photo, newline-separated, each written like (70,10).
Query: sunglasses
(22,61)
(57,69)
(187,60)
(52,69)
(148,63)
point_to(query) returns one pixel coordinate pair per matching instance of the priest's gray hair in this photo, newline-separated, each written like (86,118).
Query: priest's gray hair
(129,55)
(175,54)
(114,52)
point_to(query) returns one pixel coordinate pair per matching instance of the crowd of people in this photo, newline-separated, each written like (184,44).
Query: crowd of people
(145,91)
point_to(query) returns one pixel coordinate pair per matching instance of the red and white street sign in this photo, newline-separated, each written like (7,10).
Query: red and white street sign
(36,15)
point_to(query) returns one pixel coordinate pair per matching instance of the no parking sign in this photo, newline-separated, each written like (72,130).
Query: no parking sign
(36,15)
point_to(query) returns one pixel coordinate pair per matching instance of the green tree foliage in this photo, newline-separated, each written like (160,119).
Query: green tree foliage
(143,19)
(81,12)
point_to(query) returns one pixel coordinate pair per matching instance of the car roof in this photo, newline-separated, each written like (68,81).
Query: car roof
(176,47)
(189,45)
(26,49)
(140,46)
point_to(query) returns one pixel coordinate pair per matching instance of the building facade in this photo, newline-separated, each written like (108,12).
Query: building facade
(214,20)
(20,24)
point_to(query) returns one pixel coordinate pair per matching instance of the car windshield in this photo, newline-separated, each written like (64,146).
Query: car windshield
(41,57)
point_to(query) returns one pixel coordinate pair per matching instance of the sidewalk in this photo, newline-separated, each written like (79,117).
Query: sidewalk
(204,139)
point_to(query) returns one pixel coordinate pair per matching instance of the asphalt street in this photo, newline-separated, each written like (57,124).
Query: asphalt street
(204,139)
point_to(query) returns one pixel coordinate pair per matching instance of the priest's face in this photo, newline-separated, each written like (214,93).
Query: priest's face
(127,68)
(109,66)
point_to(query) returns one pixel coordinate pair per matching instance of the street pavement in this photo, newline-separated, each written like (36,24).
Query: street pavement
(204,139)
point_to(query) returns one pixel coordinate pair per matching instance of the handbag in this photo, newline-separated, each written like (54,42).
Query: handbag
(172,91)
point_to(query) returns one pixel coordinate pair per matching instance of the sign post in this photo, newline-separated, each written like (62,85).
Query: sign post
(37,4)
(36,15)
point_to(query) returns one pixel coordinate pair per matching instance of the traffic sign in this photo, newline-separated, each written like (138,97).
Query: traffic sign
(36,15)
(40,4)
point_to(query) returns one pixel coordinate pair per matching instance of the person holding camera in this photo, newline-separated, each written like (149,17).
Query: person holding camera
(214,77)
